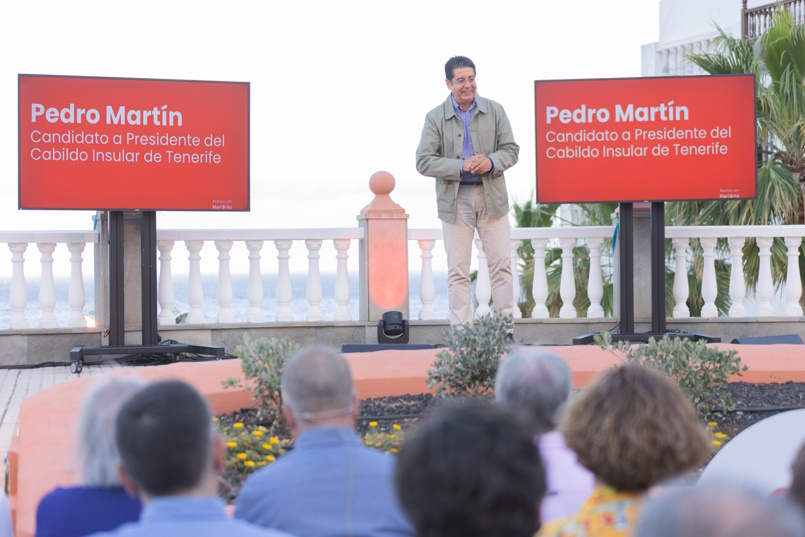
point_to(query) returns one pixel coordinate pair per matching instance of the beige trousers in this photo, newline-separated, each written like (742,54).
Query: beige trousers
(495,237)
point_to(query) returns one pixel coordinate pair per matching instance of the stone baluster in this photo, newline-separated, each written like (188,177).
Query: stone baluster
(665,62)
(737,285)
(342,291)
(195,291)
(515,279)
(283,281)
(765,288)
(255,292)
(567,287)
(19,295)
(165,286)
(595,285)
(76,293)
(539,285)
(426,288)
(483,287)
(681,288)
(313,281)
(224,294)
(47,287)
(793,283)
(709,287)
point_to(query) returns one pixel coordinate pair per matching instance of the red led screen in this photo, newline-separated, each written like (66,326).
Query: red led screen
(133,144)
(646,139)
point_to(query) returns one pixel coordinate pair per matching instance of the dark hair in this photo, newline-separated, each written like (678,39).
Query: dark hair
(454,62)
(471,469)
(164,435)
(633,427)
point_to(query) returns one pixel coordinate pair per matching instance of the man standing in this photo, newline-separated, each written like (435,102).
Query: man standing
(466,145)
(330,484)
(171,458)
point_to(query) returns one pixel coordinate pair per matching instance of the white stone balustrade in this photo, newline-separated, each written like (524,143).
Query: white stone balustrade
(671,61)
(736,238)
(46,243)
(286,244)
(254,240)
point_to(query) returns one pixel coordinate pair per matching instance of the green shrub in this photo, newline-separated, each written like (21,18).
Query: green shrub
(698,369)
(262,361)
(469,365)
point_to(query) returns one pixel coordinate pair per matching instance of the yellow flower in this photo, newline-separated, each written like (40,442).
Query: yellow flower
(249,463)
(712,424)
(257,433)
(268,446)
(214,418)
(378,444)
(281,451)
(262,463)
(394,450)
(390,436)
(262,428)
(242,456)
(238,425)
(270,458)
(721,436)
(396,427)
(716,442)
(372,424)
(231,444)
(274,440)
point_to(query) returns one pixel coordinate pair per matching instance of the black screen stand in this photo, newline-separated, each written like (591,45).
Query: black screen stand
(626,238)
(150,336)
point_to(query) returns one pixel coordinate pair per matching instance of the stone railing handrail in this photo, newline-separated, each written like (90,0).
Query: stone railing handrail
(260,234)
(46,242)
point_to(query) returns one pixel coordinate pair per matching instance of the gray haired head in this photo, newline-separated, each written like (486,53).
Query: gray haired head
(719,512)
(97,456)
(317,386)
(537,384)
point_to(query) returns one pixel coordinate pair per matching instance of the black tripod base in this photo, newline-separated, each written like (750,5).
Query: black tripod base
(589,339)
(174,349)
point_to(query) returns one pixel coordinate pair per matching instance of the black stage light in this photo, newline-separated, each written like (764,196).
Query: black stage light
(392,328)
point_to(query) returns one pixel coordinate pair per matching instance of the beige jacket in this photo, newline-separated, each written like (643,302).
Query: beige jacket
(439,154)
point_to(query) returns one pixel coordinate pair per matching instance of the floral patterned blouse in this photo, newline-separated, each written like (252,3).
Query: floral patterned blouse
(606,513)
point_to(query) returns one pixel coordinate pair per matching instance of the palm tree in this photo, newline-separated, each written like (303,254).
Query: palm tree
(777,59)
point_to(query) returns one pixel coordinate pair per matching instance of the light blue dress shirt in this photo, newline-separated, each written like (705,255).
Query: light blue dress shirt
(329,485)
(174,516)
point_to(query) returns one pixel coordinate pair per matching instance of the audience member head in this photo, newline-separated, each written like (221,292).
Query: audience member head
(166,441)
(537,384)
(796,492)
(97,456)
(633,427)
(317,390)
(718,512)
(471,469)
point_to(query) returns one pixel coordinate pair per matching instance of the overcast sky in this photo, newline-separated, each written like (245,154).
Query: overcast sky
(339,90)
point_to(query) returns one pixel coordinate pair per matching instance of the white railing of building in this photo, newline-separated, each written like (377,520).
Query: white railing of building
(541,238)
(254,239)
(46,242)
(566,237)
(737,237)
(671,57)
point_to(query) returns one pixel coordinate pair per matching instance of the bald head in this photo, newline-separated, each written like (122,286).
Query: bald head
(317,387)
(719,512)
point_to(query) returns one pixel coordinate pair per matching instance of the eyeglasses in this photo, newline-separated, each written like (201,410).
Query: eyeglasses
(464,81)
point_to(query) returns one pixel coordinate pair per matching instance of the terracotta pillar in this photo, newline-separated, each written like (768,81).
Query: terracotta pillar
(383,253)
